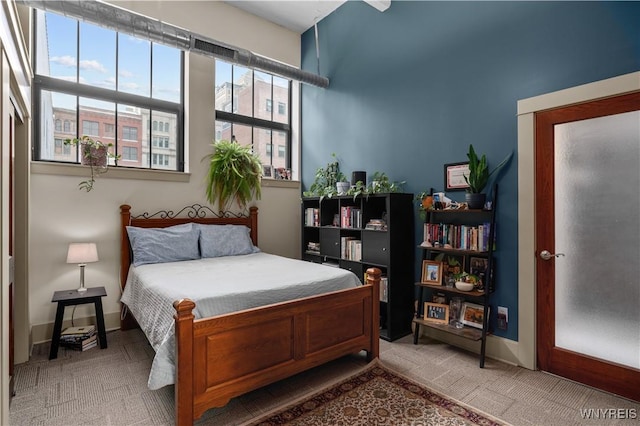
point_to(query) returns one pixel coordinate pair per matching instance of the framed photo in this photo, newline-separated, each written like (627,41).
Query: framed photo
(431,272)
(267,171)
(436,312)
(454,174)
(478,267)
(452,264)
(472,314)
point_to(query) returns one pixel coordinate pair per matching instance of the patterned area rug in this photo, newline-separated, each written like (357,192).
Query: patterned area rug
(376,396)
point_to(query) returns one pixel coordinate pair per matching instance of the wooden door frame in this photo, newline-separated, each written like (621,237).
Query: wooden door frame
(526,194)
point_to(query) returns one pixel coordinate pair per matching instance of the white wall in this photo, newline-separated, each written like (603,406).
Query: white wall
(61,214)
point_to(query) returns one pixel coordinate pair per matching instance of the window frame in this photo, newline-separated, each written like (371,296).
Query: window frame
(43,83)
(273,126)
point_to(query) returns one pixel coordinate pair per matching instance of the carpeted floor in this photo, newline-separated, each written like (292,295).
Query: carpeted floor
(109,387)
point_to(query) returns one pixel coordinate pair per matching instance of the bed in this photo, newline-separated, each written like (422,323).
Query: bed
(216,358)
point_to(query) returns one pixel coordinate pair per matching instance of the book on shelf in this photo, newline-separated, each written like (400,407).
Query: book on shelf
(384,289)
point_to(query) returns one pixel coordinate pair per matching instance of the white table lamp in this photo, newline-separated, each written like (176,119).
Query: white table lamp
(82,253)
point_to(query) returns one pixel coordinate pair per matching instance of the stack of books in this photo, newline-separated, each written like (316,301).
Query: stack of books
(79,338)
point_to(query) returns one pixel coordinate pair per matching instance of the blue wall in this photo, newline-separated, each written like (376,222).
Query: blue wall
(412,87)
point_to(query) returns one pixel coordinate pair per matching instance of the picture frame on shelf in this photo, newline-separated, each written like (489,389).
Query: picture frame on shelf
(478,267)
(452,265)
(436,312)
(454,174)
(473,315)
(431,272)
(267,171)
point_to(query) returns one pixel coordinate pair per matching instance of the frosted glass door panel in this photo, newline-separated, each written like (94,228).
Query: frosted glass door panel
(597,217)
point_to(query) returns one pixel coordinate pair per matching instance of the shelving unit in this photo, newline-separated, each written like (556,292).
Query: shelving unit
(334,232)
(456,222)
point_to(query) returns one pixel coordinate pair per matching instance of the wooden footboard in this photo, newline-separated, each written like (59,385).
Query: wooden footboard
(222,357)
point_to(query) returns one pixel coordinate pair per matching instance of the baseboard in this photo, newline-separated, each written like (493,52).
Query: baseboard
(498,348)
(41,333)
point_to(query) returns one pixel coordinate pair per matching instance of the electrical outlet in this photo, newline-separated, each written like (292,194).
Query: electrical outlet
(503,317)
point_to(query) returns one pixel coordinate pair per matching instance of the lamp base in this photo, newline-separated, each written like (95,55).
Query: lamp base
(81,290)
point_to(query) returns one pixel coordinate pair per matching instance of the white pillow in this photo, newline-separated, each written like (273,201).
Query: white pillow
(158,245)
(225,240)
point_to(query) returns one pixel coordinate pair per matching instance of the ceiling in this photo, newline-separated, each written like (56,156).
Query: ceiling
(298,16)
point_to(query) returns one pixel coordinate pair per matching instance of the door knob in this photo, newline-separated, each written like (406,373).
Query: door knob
(545,255)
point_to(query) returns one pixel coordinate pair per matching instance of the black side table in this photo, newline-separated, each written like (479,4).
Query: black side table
(73,297)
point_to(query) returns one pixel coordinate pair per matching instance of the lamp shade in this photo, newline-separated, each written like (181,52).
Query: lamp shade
(82,253)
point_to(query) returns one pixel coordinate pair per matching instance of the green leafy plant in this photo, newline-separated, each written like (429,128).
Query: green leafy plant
(380,183)
(96,155)
(422,205)
(358,189)
(324,184)
(234,174)
(479,171)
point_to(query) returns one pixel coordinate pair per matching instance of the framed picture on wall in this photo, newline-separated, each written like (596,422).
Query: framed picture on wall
(454,174)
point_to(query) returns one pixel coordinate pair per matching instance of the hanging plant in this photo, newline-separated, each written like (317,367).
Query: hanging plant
(94,154)
(234,174)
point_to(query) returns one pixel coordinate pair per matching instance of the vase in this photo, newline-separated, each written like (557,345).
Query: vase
(342,187)
(475,200)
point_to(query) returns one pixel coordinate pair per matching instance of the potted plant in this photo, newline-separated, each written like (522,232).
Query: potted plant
(425,202)
(478,178)
(380,183)
(95,154)
(234,174)
(326,179)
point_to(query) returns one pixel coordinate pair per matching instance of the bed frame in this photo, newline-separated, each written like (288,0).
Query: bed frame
(221,357)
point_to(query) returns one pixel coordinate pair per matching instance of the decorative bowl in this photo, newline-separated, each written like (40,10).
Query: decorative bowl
(464,286)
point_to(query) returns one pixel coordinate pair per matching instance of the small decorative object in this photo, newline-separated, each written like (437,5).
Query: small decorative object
(473,314)
(94,154)
(431,272)
(234,174)
(282,173)
(479,177)
(455,306)
(464,286)
(267,171)
(436,312)
(82,253)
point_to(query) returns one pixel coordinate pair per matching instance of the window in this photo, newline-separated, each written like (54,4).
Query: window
(282,108)
(58,145)
(94,79)
(281,151)
(58,126)
(91,128)
(130,153)
(244,104)
(130,133)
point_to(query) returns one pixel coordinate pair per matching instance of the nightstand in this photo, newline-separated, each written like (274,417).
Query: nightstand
(66,298)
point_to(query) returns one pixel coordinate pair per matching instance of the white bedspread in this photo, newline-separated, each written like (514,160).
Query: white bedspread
(218,286)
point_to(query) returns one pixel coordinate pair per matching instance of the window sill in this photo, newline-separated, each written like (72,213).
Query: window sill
(278,183)
(41,167)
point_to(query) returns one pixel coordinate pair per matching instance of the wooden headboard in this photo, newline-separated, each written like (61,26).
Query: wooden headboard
(161,219)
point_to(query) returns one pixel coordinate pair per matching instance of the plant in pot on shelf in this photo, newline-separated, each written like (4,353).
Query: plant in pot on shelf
(234,175)
(326,180)
(425,202)
(96,155)
(478,178)
(380,183)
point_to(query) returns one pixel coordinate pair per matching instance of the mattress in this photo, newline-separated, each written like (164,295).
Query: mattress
(218,286)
